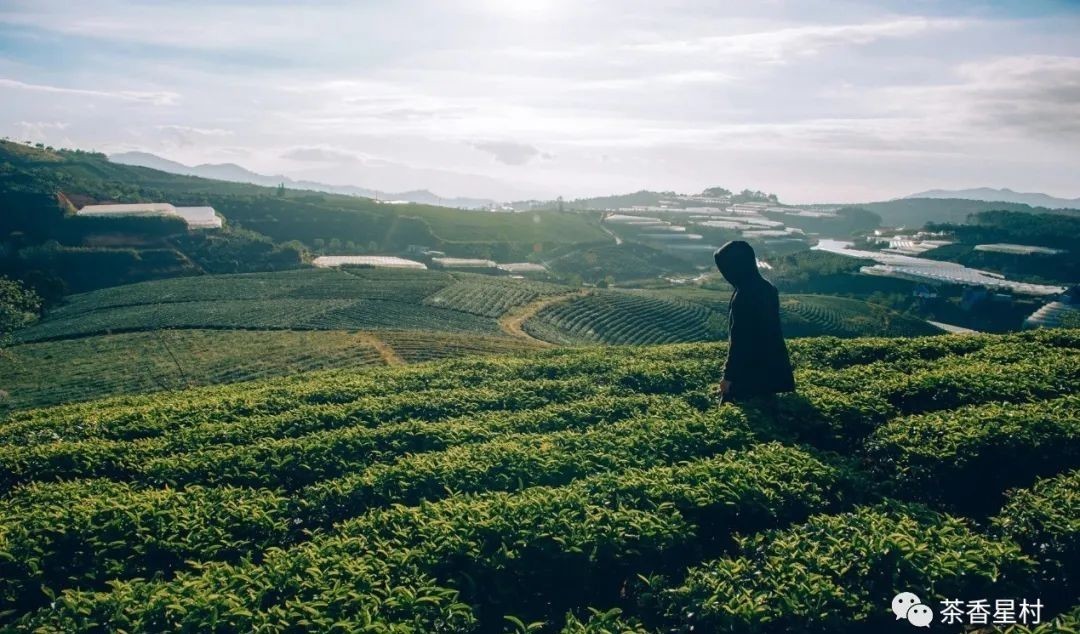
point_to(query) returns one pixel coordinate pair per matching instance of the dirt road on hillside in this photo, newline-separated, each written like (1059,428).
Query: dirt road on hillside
(511,323)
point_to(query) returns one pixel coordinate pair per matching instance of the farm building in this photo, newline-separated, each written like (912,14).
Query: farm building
(136,209)
(802,213)
(375,261)
(633,220)
(675,235)
(200,217)
(908,246)
(748,208)
(768,233)
(523,267)
(464,263)
(723,224)
(195,217)
(1017,249)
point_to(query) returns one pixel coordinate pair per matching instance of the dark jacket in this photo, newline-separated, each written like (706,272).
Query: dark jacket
(757,362)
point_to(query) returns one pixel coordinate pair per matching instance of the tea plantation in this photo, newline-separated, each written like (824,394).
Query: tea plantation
(581,490)
(210,329)
(51,372)
(644,317)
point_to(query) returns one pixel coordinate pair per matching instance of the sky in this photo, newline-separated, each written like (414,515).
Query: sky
(815,100)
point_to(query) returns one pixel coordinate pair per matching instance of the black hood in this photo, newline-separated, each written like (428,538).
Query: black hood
(737,263)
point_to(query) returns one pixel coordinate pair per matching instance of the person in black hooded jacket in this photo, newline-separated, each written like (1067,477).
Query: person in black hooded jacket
(757,362)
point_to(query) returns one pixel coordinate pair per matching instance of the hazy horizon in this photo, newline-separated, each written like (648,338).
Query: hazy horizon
(814,101)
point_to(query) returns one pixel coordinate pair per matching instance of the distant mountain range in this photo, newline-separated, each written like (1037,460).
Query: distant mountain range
(990,194)
(235,173)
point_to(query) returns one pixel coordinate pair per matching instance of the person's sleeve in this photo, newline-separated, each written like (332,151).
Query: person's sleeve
(738,347)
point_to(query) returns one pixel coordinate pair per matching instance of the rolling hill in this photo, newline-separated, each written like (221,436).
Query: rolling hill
(916,212)
(178,332)
(990,194)
(383,450)
(266,228)
(236,173)
(578,491)
(650,317)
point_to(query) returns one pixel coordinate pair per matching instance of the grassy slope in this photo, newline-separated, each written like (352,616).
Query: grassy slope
(473,489)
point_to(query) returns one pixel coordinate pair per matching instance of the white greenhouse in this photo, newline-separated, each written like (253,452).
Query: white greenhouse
(933,271)
(195,217)
(200,217)
(376,261)
(523,267)
(464,263)
(1017,249)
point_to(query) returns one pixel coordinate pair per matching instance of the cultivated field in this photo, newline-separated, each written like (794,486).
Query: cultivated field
(580,490)
(647,317)
(70,370)
(203,330)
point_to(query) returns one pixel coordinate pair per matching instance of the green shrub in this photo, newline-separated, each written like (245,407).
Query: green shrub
(838,573)
(968,457)
(1045,521)
(610,622)
(80,534)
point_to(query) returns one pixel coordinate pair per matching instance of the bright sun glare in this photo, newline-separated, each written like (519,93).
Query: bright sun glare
(522,9)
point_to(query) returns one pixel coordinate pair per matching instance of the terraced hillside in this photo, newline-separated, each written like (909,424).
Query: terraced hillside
(180,332)
(307,299)
(215,329)
(575,490)
(646,317)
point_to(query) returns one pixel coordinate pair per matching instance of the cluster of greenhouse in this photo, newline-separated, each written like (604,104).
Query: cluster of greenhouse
(933,271)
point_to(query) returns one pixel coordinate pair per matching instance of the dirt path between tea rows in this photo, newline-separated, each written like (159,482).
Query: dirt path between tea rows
(388,354)
(512,322)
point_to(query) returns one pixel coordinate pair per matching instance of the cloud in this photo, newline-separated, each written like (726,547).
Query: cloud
(156,98)
(39,130)
(183,136)
(184,129)
(159,24)
(320,155)
(780,45)
(508,152)
(665,81)
(1036,93)
(1026,96)
(776,95)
